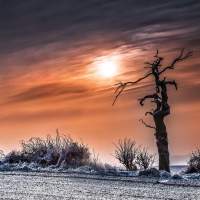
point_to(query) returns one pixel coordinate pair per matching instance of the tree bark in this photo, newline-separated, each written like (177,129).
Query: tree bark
(161,132)
(162,141)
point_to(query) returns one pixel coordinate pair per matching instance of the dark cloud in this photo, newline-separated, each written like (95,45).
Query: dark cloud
(38,31)
(69,31)
(75,22)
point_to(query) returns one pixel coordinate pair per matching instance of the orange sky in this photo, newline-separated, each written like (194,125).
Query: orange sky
(50,77)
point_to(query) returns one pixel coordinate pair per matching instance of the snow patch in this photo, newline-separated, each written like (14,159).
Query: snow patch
(149,173)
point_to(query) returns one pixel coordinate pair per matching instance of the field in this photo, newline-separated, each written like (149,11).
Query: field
(44,185)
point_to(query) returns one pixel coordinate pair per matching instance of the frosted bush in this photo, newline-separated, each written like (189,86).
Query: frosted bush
(49,152)
(131,156)
(195,159)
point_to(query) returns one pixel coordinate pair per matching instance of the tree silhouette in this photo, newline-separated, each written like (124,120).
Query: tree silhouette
(162,107)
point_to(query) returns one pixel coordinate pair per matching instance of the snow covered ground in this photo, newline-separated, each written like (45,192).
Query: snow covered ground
(34,167)
(59,185)
(32,181)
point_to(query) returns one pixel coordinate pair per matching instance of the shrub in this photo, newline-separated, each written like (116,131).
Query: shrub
(126,153)
(13,157)
(130,156)
(76,154)
(50,151)
(145,159)
(194,159)
(1,155)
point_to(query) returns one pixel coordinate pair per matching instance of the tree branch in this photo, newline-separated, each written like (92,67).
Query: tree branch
(142,99)
(123,85)
(149,112)
(172,83)
(149,126)
(190,53)
(156,53)
(149,63)
(155,96)
(156,56)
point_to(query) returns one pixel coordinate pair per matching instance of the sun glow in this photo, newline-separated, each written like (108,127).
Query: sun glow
(107,68)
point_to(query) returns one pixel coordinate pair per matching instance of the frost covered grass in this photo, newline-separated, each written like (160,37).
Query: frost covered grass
(52,154)
(63,154)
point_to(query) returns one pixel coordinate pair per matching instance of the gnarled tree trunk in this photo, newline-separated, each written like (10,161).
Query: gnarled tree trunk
(163,109)
(162,141)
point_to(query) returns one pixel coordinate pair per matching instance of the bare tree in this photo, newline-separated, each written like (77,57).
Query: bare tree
(162,107)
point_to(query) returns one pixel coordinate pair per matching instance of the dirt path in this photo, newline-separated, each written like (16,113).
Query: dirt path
(31,185)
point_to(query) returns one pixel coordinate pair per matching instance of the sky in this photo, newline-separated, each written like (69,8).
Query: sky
(60,61)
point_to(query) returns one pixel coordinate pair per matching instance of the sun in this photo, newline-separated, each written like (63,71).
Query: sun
(107,68)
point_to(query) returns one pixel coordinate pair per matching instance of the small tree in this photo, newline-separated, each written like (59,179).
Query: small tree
(162,109)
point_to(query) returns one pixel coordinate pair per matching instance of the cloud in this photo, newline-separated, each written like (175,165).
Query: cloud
(74,23)
(65,35)
(46,91)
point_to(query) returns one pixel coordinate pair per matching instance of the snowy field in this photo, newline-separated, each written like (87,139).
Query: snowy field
(58,185)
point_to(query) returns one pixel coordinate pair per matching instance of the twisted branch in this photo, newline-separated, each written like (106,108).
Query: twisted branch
(123,85)
(149,112)
(149,126)
(148,96)
(190,53)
